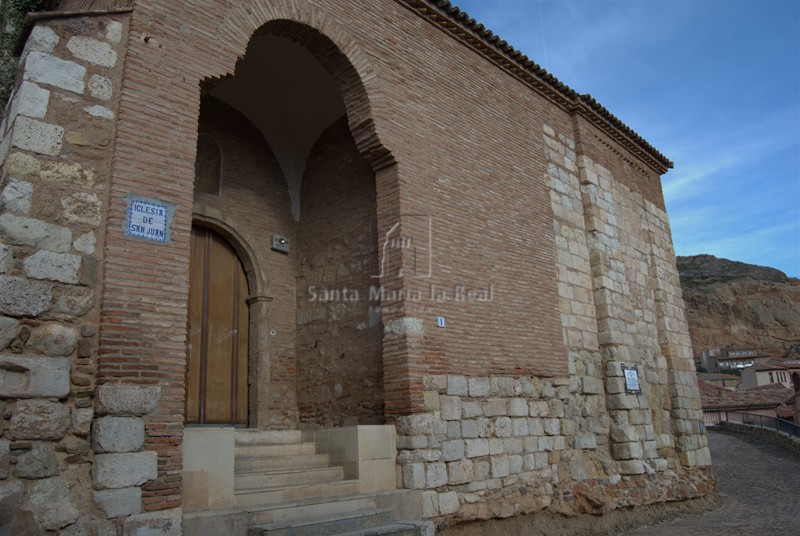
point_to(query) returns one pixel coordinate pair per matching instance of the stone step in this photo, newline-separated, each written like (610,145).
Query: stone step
(260,450)
(270,495)
(275,463)
(311,507)
(395,529)
(274,479)
(273,437)
(327,525)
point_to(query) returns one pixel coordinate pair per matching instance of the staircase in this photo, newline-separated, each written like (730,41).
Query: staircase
(284,487)
(272,467)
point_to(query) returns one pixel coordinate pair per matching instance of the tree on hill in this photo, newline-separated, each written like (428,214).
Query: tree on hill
(12,16)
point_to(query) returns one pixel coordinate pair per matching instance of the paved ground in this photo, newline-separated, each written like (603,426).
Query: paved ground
(760,482)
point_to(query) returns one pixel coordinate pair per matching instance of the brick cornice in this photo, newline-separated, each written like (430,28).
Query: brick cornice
(456,23)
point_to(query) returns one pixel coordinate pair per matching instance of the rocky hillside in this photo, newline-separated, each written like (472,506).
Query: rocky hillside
(733,303)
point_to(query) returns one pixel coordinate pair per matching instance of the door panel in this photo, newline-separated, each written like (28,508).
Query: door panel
(218,321)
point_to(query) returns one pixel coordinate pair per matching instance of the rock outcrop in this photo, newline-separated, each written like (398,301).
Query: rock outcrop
(731,303)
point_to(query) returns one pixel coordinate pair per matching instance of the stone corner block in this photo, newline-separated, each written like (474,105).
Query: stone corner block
(118,434)
(114,471)
(112,399)
(161,523)
(119,502)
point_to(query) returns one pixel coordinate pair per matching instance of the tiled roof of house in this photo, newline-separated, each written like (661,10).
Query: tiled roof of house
(777,364)
(715,377)
(713,397)
(460,25)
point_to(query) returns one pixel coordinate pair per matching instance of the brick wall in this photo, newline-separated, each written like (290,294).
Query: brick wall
(339,366)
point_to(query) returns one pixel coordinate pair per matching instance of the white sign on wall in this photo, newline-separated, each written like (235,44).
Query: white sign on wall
(150,219)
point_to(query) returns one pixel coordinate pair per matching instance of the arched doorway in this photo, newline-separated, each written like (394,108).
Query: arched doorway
(216,382)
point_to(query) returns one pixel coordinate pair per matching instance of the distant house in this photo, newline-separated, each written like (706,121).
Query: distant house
(760,401)
(728,359)
(726,381)
(774,371)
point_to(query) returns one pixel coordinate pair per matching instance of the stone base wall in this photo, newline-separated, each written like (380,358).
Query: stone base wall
(499,446)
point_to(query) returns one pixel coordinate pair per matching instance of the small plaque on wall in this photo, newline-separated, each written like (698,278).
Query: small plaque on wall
(632,386)
(150,219)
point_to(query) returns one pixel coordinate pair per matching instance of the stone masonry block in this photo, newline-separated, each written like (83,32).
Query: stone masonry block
(92,51)
(19,296)
(5,460)
(39,419)
(471,409)
(518,407)
(37,136)
(41,39)
(9,327)
(494,407)
(118,434)
(520,427)
(623,433)
(450,407)
(552,426)
(623,401)
(82,421)
(457,385)
(585,441)
(500,467)
(100,87)
(414,475)
(51,504)
(448,503)
(478,387)
(114,31)
(31,101)
(501,386)
(99,111)
(469,429)
(16,196)
(631,467)
(627,451)
(502,427)
(496,446)
(61,267)
(54,339)
(160,523)
(85,243)
(123,470)
(460,472)
(39,462)
(435,475)
(119,502)
(25,376)
(81,207)
(453,450)
(476,447)
(591,385)
(36,233)
(111,399)
(47,69)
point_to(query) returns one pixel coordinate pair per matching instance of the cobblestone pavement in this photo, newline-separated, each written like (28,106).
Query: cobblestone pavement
(760,482)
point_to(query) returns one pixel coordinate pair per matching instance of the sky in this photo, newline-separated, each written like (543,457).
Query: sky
(714,85)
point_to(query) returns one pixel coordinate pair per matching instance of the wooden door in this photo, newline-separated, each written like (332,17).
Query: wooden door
(216,382)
